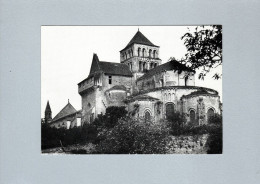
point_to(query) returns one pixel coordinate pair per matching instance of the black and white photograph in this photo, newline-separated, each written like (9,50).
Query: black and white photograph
(131,89)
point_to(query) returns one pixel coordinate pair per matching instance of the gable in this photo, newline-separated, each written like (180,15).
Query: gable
(67,110)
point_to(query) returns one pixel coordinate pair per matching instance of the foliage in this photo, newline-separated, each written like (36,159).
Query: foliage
(215,141)
(51,137)
(216,119)
(131,137)
(204,49)
(177,121)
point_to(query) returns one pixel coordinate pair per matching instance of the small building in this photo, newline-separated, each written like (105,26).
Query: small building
(67,118)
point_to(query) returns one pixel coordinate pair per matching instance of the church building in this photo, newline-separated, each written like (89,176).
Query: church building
(148,89)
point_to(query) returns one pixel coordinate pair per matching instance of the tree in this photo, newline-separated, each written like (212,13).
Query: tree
(204,49)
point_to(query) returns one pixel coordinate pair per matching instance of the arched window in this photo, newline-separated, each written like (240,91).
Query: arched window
(140,66)
(169,96)
(144,66)
(192,116)
(210,113)
(139,51)
(151,65)
(150,53)
(155,64)
(169,108)
(143,52)
(132,54)
(147,116)
(154,54)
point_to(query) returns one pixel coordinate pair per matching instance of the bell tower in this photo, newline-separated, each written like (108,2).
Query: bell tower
(140,55)
(48,113)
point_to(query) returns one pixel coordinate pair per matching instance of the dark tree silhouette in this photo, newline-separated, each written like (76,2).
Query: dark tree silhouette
(204,49)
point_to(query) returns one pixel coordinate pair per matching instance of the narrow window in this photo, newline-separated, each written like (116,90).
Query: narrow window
(150,53)
(210,114)
(143,52)
(154,54)
(110,79)
(192,116)
(147,116)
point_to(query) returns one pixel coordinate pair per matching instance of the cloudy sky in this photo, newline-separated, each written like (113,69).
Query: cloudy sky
(67,51)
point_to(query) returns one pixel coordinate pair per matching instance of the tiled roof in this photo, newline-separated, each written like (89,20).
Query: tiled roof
(198,93)
(171,65)
(115,68)
(140,39)
(141,98)
(97,67)
(67,110)
(211,91)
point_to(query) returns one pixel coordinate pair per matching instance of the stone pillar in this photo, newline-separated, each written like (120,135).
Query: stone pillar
(201,112)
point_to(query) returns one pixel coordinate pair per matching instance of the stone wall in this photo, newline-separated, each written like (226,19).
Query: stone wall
(168,78)
(196,144)
(208,102)
(88,104)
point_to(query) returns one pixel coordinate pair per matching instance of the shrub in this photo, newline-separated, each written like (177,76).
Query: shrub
(216,119)
(131,137)
(215,141)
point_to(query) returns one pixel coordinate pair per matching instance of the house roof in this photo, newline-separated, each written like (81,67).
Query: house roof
(115,68)
(109,68)
(48,108)
(140,39)
(67,110)
(141,98)
(171,65)
(200,92)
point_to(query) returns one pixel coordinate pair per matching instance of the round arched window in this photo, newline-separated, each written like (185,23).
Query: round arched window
(147,116)
(210,113)
(169,110)
(192,116)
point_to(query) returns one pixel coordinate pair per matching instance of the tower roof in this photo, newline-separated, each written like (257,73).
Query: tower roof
(48,108)
(67,110)
(140,39)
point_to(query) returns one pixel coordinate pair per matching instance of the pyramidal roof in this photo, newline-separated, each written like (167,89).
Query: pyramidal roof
(140,39)
(48,108)
(67,110)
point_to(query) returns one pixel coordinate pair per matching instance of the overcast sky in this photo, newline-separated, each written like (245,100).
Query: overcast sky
(67,51)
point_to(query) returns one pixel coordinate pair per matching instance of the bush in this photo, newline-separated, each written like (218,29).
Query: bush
(131,137)
(215,141)
(216,119)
